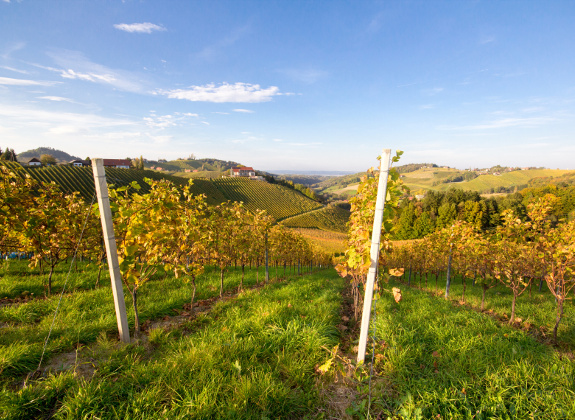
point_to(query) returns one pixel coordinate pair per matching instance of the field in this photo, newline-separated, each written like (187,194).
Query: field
(258,354)
(331,218)
(423,179)
(328,242)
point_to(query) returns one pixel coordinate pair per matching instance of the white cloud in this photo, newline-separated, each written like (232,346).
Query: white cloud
(75,66)
(162,122)
(89,77)
(23,82)
(51,120)
(142,28)
(56,99)
(15,70)
(427,106)
(238,92)
(245,111)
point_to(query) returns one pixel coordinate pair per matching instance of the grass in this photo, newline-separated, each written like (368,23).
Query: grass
(435,360)
(253,357)
(535,309)
(257,355)
(84,314)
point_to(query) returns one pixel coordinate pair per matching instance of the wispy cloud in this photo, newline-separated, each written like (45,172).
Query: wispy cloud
(211,51)
(375,24)
(14,70)
(89,77)
(245,111)
(308,76)
(427,106)
(161,122)
(24,82)
(504,123)
(56,99)
(486,39)
(59,121)
(432,91)
(73,65)
(238,92)
(142,28)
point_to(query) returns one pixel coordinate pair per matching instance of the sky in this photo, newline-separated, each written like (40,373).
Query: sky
(294,85)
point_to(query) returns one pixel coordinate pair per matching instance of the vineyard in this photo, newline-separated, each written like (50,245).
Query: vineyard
(277,201)
(280,202)
(331,218)
(466,323)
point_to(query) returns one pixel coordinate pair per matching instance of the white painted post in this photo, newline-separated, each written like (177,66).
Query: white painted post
(111,250)
(374,253)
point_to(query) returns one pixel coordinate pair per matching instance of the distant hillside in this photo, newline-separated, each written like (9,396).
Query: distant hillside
(188,166)
(425,179)
(59,155)
(279,201)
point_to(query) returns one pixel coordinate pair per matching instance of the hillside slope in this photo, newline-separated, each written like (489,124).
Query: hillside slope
(279,201)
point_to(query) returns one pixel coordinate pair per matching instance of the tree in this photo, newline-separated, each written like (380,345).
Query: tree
(406,223)
(447,213)
(141,228)
(9,155)
(48,160)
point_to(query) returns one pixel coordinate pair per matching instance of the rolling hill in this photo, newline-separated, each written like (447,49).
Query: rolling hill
(279,201)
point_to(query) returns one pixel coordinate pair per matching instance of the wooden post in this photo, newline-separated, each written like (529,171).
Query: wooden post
(448,276)
(374,253)
(111,250)
(267,259)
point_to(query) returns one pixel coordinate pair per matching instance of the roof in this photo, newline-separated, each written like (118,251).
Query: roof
(243,168)
(34,160)
(117,162)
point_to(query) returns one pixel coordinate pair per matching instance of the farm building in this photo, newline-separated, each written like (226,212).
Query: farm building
(246,171)
(118,163)
(80,162)
(34,162)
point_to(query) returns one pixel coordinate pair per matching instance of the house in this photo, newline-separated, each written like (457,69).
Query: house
(246,171)
(118,163)
(80,163)
(34,162)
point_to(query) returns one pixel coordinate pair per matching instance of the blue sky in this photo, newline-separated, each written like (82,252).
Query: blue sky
(300,85)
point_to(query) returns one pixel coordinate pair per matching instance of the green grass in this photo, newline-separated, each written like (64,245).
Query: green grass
(439,361)
(253,357)
(535,310)
(87,312)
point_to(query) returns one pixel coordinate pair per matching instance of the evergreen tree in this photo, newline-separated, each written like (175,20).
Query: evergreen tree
(447,213)
(406,222)
(424,226)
